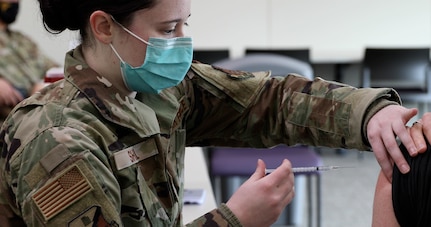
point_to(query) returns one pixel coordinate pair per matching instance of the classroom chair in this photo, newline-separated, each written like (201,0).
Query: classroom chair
(404,69)
(240,163)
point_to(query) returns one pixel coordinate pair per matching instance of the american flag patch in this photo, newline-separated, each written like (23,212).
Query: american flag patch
(60,193)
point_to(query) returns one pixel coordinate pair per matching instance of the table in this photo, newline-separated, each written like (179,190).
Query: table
(196,176)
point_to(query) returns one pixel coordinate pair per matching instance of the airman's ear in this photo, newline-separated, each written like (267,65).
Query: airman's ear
(102,26)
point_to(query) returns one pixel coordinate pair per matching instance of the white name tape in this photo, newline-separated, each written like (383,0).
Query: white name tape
(132,155)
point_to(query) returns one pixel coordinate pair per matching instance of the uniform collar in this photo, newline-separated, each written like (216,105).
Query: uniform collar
(113,105)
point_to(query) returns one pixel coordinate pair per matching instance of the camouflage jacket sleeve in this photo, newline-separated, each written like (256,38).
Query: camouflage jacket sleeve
(221,217)
(254,109)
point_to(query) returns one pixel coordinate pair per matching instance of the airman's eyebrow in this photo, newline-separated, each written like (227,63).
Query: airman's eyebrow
(174,21)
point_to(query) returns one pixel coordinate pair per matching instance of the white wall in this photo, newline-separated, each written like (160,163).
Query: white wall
(332,29)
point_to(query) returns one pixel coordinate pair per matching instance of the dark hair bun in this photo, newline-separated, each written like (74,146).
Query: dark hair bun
(59,15)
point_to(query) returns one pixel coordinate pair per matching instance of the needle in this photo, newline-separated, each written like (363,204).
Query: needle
(310,169)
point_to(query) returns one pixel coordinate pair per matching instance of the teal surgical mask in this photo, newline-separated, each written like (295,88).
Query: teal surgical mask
(166,64)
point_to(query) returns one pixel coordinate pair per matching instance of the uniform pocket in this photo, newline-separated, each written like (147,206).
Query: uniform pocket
(326,115)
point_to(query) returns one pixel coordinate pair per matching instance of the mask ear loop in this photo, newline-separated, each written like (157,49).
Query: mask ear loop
(115,52)
(130,32)
(123,76)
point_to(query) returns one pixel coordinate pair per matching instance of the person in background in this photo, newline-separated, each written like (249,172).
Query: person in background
(22,64)
(105,146)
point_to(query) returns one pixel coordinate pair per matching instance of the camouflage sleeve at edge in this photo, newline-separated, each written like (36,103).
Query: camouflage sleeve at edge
(373,109)
(222,217)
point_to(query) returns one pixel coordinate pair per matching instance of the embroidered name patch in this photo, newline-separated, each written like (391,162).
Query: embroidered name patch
(133,154)
(57,195)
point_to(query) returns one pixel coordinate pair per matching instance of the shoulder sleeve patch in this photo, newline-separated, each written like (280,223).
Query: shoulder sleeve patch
(241,86)
(61,192)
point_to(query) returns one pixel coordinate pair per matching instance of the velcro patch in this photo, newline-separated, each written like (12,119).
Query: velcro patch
(241,86)
(236,74)
(60,193)
(91,217)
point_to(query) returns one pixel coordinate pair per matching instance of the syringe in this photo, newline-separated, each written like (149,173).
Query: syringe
(309,169)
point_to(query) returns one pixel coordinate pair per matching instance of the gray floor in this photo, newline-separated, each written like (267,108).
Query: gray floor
(347,194)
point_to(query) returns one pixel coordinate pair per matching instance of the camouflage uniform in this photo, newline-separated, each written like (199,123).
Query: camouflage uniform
(82,152)
(21,62)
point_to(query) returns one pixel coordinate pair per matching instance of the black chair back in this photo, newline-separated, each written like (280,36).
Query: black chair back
(404,69)
(210,56)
